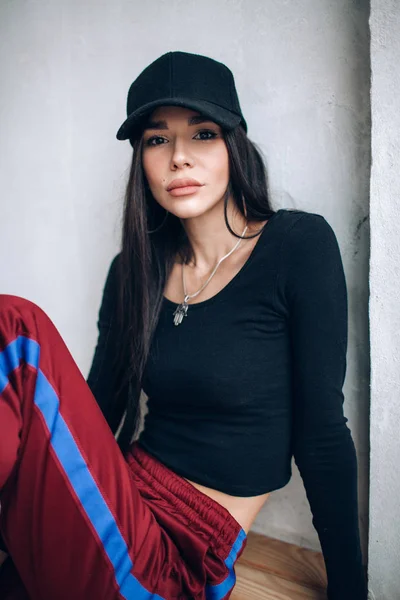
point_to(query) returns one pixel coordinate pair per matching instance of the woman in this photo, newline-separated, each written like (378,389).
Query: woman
(232,317)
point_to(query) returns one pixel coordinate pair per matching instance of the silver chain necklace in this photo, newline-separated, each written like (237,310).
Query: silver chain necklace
(182,309)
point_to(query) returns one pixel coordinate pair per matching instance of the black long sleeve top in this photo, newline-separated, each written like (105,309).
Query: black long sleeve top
(254,376)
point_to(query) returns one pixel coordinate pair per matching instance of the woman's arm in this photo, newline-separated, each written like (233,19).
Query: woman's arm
(322,444)
(102,377)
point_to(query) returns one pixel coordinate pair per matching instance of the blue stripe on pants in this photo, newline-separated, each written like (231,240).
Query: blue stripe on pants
(75,467)
(216,592)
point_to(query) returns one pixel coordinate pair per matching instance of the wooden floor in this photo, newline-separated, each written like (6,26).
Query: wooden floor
(270,569)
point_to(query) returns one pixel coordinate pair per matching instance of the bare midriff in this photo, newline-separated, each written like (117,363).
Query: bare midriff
(243,509)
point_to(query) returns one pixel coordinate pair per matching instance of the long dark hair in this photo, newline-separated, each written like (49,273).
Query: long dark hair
(151,242)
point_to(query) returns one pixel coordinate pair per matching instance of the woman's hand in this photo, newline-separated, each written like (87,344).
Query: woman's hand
(3,557)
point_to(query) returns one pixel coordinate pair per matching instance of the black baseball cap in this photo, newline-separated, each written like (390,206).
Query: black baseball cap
(184,79)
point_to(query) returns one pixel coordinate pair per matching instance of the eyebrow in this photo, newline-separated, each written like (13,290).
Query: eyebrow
(163,125)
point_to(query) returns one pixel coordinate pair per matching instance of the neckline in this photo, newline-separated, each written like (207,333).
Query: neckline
(235,277)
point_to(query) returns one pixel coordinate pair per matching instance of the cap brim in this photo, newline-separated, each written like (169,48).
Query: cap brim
(220,115)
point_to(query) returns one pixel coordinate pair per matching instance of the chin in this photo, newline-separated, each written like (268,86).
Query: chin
(188,213)
(186,207)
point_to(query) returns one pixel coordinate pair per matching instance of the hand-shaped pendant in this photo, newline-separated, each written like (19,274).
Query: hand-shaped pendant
(181,311)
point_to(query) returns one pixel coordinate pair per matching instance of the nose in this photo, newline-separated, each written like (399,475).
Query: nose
(180,155)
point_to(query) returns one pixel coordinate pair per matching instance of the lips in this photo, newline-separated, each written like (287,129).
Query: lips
(179,183)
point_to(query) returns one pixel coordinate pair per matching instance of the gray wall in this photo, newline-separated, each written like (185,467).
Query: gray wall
(384,539)
(302,73)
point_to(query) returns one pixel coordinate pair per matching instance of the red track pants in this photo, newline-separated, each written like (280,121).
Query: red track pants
(80,520)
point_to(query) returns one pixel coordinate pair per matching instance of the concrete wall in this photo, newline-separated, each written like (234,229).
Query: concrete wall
(384,539)
(302,73)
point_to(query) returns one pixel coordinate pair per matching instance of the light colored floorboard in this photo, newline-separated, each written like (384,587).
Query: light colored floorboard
(258,585)
(270,569)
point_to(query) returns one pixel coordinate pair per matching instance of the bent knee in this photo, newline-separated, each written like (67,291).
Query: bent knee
(16,310)
(17,302)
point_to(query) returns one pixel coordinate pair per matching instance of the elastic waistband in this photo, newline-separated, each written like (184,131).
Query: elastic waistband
(221,529)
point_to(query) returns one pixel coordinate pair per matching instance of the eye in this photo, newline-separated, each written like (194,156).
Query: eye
(152,139)
(211,133)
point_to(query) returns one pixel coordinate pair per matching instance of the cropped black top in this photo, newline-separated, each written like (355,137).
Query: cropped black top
(254,376)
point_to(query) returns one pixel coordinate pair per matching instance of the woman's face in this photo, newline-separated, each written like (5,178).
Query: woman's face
(180,149)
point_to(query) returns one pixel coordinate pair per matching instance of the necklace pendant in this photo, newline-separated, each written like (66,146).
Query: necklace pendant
(180,312)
